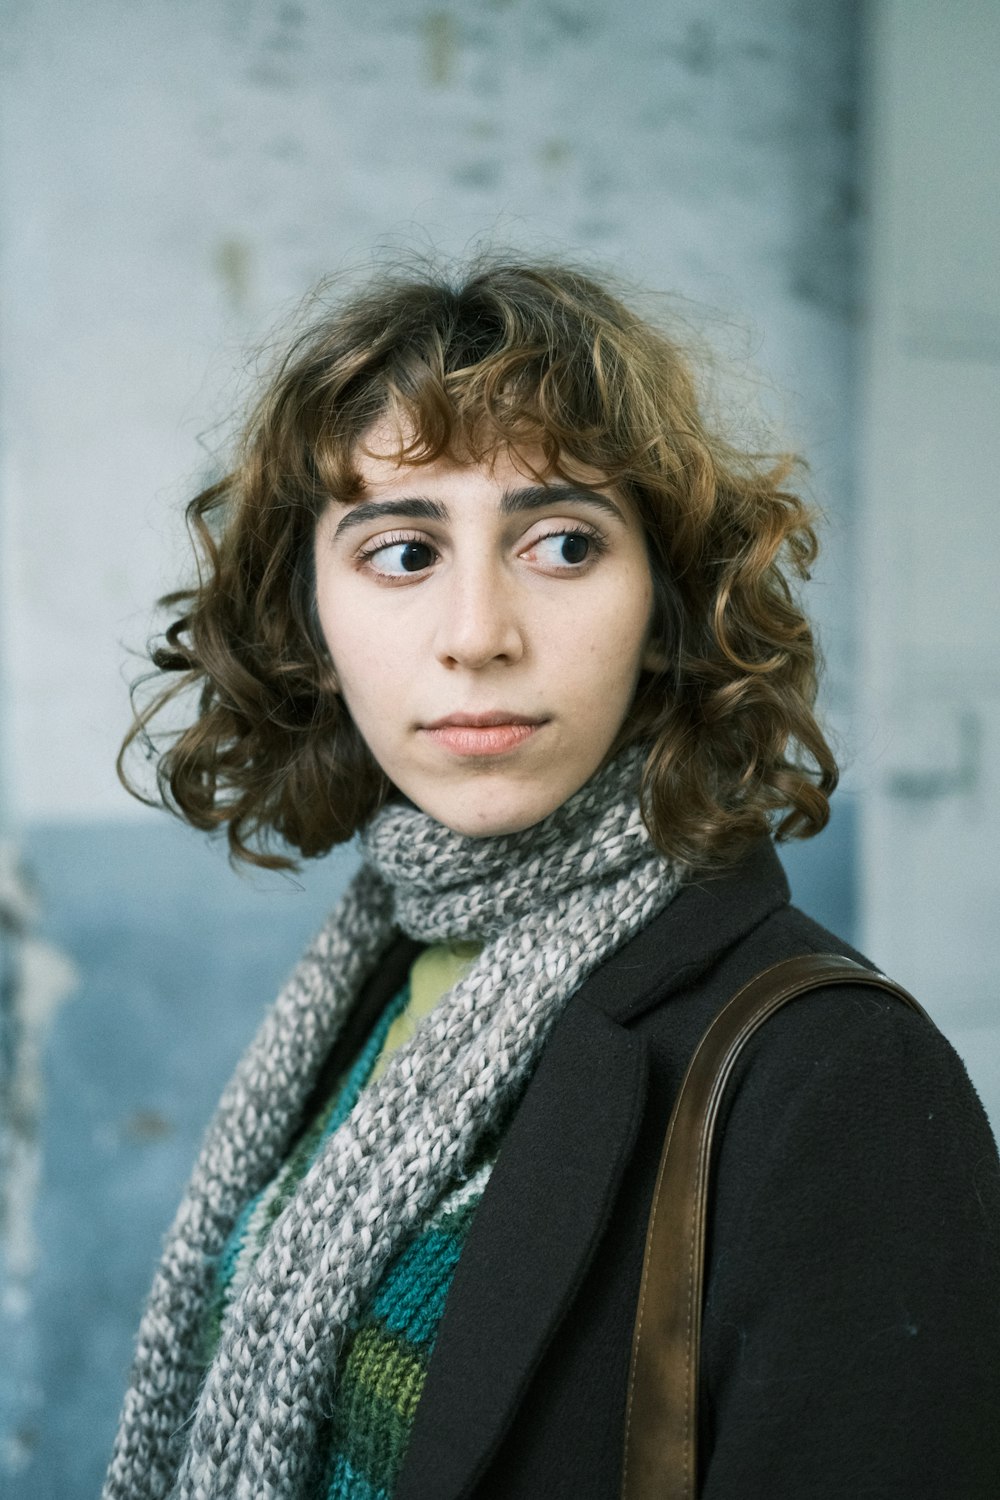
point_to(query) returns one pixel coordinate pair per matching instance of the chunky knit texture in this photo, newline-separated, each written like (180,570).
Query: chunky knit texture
(431,975)
(384,1362)
(239,1255)
(550,904)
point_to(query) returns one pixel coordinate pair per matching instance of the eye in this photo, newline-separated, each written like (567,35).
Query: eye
(398,557)
(566,550)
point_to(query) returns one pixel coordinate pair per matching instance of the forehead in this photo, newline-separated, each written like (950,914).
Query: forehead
(380,463)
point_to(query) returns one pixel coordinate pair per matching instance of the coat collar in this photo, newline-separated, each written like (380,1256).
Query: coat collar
(548,1197)
(707,916)
(551,1192)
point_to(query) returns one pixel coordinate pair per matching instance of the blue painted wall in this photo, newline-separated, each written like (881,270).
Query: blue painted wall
(177,958)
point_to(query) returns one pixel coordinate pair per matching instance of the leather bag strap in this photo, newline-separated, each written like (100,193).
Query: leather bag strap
(661,1418)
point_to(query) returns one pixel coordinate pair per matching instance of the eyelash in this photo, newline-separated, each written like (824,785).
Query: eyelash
(396,539)
(598,543)
(596,539)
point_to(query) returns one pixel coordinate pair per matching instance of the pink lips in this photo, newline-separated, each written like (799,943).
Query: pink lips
(482,734)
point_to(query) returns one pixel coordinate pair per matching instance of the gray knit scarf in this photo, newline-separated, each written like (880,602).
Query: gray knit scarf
(550,904)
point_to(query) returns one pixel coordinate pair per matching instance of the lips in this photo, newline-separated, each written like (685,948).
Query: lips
(490,734)
(483,721)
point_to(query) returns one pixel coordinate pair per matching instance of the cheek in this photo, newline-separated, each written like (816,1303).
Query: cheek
(616,635)
(342,624)
(340,637)
(370,666)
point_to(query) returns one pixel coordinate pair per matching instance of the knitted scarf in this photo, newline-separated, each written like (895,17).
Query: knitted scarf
(550,904)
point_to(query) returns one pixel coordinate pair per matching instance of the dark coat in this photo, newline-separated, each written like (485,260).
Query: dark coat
(852,1325)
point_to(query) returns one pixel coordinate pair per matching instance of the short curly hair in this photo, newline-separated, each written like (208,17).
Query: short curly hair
(518,354)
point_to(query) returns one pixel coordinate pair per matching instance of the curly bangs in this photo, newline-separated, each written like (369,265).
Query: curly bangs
(517,355)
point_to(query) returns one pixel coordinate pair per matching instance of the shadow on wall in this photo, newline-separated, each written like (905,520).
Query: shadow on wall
(177,958)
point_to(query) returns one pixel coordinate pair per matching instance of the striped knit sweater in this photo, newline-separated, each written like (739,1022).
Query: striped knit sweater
(384,1363)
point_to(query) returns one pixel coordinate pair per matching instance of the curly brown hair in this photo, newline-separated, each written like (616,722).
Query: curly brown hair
(518,354)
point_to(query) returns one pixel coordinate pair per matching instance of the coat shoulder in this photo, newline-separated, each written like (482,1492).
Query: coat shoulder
(865,1037)
(853,1256)
(854,1251)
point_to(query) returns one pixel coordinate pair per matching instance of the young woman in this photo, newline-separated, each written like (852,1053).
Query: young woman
(484,588)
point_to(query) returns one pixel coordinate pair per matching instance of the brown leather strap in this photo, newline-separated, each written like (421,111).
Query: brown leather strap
(661,1420)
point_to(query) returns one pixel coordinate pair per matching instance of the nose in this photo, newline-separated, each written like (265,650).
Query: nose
(480,620)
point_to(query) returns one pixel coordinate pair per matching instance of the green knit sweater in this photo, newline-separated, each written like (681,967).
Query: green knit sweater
(382,1367)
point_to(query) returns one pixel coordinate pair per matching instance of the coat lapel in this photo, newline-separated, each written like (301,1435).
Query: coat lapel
(547,1201)
(551,1192)
(708,916)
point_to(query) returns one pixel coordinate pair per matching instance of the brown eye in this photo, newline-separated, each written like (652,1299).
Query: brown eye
(414,556)
(565,549)
(575,547)
(393,559)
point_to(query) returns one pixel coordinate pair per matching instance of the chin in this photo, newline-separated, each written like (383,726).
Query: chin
(488,820)
(489,826)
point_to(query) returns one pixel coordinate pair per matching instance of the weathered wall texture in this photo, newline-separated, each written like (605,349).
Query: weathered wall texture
(931,807)
(175,175)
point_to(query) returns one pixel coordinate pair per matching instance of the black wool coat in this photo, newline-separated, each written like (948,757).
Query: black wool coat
(851,1343)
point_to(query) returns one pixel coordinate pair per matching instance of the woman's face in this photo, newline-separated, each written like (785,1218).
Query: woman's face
(487,631)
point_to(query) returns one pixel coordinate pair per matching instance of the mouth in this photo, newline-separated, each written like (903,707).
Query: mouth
(483,721)
(495,733)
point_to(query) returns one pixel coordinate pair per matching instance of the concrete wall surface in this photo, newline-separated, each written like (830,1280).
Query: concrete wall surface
(931,519)
(174,178)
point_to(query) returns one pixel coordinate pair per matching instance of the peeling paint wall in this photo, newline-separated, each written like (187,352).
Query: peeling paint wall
(176,959)
(174,176)
(932,454)
(35,979)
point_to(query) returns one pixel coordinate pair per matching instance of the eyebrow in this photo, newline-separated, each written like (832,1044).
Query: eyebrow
(512,503)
